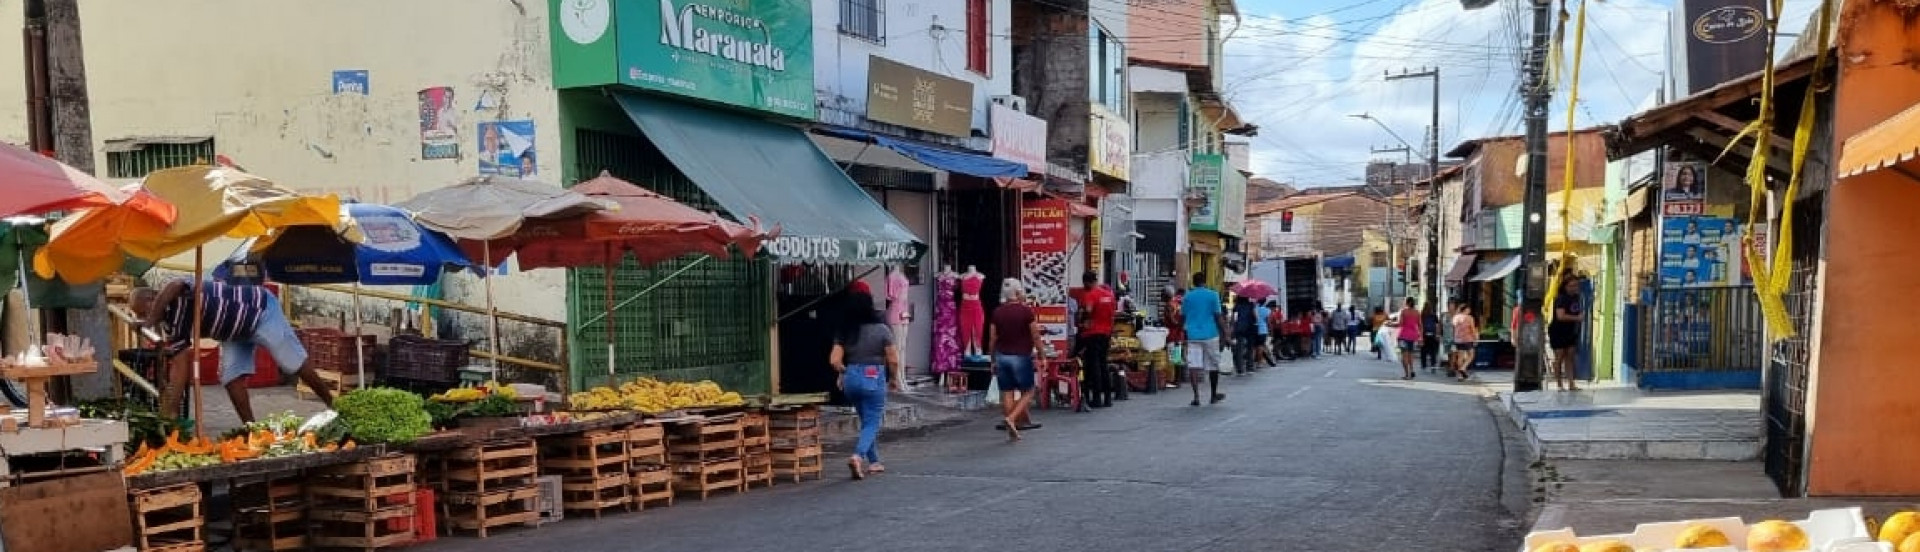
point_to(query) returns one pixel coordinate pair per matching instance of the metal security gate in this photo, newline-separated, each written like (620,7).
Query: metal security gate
(1784,399)
(709,322)
(1703,329)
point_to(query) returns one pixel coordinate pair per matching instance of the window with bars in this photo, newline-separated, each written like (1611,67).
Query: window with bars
(864,19)
(1380,259)
(979,24)
(141,159)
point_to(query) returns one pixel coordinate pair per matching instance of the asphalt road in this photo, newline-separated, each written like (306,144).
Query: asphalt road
(1327,455)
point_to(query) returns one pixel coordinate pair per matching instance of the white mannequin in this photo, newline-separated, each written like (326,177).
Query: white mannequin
(972,321)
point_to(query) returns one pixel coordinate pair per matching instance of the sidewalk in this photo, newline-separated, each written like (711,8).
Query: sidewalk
(1604,422)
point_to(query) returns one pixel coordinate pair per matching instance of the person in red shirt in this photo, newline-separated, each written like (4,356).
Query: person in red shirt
(1097,307)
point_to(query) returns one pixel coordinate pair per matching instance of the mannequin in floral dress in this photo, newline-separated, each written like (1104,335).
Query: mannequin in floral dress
(946,323)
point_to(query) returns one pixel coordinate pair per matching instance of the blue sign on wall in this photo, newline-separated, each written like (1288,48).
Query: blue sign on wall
(350,82)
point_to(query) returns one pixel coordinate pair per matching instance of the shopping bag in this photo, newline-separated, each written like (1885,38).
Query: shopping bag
(993,389)
(1176,354)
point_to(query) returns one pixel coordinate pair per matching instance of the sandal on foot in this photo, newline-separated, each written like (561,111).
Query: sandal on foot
(876,468)
(1013,430)
(855,465)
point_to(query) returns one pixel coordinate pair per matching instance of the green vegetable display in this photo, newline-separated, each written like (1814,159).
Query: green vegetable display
(383,415)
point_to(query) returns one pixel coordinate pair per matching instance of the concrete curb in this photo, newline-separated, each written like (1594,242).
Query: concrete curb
(1516,493)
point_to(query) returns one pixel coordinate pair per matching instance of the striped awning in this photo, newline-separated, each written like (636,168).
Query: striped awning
(1886,145)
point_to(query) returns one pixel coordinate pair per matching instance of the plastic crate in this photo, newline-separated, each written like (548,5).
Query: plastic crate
(549,506)
(1831,530)
(425,522)
(331,349)
(266,373)
(425,360)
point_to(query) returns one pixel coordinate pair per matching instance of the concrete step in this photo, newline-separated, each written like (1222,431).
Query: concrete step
(1601,432)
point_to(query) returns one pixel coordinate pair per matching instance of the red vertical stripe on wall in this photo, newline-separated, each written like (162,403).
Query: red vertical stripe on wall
(978,23)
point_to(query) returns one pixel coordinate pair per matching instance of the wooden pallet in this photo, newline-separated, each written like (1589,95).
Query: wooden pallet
(596,493)
(754,430)
(799,463)
(798,418)
(704,478)
(703,440)
(758,469)
(481,512)
(497,464)
(647,444)
(364,530)
(652,485)
(337,382)
(269,515)
(169,518)
(793,439)
(363,486)
(594,467)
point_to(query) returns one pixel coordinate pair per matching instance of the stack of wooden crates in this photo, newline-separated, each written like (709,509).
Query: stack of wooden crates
(270,514)
(649,471)
(593,470)
(352,505)
(706,452)
(490,484)
(795,434)
(757,445)
(169,519)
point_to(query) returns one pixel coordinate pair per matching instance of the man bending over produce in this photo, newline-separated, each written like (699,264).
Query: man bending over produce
(239,317)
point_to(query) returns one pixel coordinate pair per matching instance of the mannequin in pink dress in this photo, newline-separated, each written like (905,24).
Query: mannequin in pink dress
(973,316)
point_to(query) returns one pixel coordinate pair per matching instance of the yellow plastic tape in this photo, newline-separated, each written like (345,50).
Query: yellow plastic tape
(1566,185)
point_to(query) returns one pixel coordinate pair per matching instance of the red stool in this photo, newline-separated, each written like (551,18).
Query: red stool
(1058,375)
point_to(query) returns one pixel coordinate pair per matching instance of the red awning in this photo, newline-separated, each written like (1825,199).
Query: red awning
(1082,210)
(1020,184)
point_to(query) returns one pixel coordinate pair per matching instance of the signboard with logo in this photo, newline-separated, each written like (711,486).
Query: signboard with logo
(1232,199)
(1204,177)
(1018,137)
(1044,242)
(1725,39)
(908,96)
(1110,147)
(754,54)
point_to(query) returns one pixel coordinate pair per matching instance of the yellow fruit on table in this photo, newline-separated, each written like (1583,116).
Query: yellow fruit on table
(1776,536)
(1557,547)
(1909,544)
(1898,526)
(1606,546)
(1702,536)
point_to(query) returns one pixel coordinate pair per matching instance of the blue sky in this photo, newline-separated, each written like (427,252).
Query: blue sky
(1299,68)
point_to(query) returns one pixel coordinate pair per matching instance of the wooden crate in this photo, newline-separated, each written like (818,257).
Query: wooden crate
(799,463)
(753,430)
(593,466)
(490,485)
(269,515)
(647,444)
(361,487)
(481,512)
(364,530)
(706,439)
(790,440)
(758,468)
(807,417)
(652,485)
(704,478)
(169,518)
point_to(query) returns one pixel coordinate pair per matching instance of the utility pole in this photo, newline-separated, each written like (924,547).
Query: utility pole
(1532,339)
(1431,290)
(60,123)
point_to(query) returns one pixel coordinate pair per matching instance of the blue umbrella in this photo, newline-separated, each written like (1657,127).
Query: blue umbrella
(392,250)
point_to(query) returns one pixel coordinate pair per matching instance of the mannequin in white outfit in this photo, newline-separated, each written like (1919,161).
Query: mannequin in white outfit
(899,311)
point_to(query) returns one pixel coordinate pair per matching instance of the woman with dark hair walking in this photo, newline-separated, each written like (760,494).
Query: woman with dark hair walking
(863,354)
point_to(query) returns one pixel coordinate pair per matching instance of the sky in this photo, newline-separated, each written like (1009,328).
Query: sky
(1301,68)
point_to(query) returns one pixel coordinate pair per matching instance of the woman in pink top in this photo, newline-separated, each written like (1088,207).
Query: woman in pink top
(1409,338)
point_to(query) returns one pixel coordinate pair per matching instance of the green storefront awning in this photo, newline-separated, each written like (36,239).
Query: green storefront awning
(760,169)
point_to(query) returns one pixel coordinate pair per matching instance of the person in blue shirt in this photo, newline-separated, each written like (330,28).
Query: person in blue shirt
(1205,321)
(1246,323)
(1263,311)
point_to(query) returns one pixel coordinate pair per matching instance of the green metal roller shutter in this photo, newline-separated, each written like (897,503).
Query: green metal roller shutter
(707,323)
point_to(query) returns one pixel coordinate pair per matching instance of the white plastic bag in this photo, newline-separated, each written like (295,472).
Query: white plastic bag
(993,388)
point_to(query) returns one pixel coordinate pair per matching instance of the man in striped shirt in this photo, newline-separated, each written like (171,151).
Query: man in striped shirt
(240,317)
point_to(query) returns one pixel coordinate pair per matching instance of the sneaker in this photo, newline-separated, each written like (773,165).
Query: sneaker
(1196,402)
(1217,397)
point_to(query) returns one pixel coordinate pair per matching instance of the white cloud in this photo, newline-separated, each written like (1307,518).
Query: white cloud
(1300,79)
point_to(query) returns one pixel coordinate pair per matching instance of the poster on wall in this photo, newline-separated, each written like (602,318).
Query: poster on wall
(438,137)
(1683,184)
(1044,242)
(1700,250)
(352,81)
(506,148)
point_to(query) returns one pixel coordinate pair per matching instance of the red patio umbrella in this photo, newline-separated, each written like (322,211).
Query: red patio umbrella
(35,184)
(650,226)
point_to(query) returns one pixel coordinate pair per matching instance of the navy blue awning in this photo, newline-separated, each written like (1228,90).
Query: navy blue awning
(1343,261)
(971,164)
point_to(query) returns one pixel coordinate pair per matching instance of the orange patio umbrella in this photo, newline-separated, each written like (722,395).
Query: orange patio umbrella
(210,201)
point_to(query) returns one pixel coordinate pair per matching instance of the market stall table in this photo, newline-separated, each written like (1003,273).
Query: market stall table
(110,436)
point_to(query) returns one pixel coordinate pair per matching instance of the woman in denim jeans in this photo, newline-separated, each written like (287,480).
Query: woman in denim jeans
(863,354)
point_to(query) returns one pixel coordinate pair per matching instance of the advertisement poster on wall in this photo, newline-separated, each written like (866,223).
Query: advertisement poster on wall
(1044,243)
(506,148)
(438,137)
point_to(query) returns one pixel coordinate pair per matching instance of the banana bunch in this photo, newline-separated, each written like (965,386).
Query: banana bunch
(460,394)
(653,396)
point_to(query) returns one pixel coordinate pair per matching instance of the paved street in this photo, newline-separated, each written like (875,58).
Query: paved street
(1319,456)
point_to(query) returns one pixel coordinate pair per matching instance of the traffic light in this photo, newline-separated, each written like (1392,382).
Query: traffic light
(1286,221)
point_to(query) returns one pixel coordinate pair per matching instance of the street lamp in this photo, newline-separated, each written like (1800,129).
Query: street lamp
(1383,126)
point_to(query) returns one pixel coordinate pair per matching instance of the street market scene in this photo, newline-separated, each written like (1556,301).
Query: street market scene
(742,275)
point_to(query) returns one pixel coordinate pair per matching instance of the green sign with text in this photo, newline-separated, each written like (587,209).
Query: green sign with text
(754,54)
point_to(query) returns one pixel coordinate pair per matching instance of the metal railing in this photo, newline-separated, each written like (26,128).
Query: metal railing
(1701,329)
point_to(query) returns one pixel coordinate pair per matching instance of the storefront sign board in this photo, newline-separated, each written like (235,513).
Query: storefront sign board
(911,97)
(1019,137)
(752,54)
(1044,242)
(1110,147)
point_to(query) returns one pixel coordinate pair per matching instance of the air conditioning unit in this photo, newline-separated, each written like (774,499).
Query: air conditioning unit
(1015,103)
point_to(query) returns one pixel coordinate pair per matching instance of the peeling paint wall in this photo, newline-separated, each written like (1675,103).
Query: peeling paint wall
(257,76)
(13,94)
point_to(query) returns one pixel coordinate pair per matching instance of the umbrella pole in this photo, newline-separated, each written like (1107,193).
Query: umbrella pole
(199,306)
(608,273)
(493,316)
(359,352)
